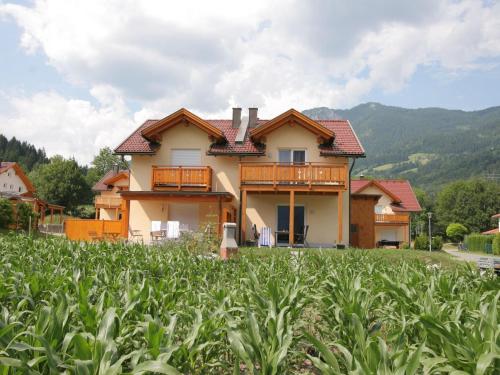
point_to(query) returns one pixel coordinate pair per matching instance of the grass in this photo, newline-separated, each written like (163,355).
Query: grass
(83,308)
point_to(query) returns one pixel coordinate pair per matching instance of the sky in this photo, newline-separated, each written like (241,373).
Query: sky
(76,76)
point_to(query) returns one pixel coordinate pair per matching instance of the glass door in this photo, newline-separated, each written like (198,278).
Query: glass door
(283,227)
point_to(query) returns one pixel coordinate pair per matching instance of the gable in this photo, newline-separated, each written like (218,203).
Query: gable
(17,170)
(182,116)
(293,118)
(379,188)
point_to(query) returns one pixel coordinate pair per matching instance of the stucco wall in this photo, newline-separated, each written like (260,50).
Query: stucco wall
(396,233)
(107,214)
(13,180)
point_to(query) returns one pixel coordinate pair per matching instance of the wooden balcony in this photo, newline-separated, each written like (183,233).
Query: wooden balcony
(171,178)
(107,202)
(299,177)
(391,219)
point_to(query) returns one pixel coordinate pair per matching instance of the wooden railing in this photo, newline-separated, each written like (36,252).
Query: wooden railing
(108,201)
(181,178)
(277,174)
(391,218)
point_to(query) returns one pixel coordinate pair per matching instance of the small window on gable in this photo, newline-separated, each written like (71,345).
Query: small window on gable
(290,156)
(379,209)
(11,187)
(20,188)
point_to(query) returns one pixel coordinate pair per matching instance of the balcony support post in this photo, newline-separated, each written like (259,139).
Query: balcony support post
(243,224)
(291,223)
(339,218)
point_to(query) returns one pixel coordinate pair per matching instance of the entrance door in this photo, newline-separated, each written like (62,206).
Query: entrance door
(283,227)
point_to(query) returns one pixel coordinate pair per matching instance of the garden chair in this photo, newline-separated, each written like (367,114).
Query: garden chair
(255,237)
(265,237)
(135,234)
(94,236)
(301,238)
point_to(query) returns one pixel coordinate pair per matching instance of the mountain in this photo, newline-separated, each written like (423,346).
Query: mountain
(27,155)
(428,146)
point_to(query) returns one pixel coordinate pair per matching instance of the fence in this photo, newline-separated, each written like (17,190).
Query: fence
(87,230)
(55,229)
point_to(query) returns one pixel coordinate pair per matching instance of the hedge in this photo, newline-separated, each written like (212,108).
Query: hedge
(478,242)
(496,244)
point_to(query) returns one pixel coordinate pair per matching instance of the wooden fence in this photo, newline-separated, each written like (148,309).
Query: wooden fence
(88,230)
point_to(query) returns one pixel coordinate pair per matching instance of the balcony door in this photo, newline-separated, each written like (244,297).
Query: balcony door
(186,157)
(291,156)
(283,223)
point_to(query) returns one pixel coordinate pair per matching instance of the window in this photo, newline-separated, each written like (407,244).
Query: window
(186,157)
(5,185)
(290,156)
(11,187)
(20,189)
(379,209)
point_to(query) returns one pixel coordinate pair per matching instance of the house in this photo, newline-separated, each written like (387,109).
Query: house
(16,186)
(393,201)
(287,172)
(494,230)
(108,201)
(13,180)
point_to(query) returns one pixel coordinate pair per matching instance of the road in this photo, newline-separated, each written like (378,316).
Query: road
(470,257)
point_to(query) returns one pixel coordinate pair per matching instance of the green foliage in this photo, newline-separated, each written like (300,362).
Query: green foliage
(421,242)
(124,308)
(471,203)
(85,211)
(496,244)
(437,243)
(102,163)
(6,213)
(61,182)
(24,212)
(478,242)
(27,155)
(456,232)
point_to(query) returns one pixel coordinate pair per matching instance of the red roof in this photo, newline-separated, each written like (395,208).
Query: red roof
(346,142)
(6,165)
(496,216)
(399,188)
(101,186)
(491,231)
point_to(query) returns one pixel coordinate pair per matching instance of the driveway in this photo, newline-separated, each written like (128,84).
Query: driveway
(470,257)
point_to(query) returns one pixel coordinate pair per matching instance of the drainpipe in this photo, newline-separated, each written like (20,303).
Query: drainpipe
(350,171)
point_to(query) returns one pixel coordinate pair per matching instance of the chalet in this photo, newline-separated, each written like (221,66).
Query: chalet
(290,174)
(108,200)
(393,201)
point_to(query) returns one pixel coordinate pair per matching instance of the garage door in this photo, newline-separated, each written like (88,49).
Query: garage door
(186,214)
(189,157)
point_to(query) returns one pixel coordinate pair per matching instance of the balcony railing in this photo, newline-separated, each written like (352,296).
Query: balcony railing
(108,202)
(280,174)
(391,218)
(181,178)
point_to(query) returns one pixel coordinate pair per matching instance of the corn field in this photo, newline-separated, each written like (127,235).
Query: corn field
(76,308)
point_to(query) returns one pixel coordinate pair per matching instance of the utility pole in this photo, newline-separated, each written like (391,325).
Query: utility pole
(429,215)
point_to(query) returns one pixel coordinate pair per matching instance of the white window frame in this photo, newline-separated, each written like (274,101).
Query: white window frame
(292,150)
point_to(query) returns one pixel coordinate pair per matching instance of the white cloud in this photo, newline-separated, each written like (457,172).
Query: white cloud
(210,55)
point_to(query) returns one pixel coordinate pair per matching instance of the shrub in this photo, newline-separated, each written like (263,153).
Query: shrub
(6,213)
(24,212)
(478,242)
(496,244)
(405,245)
(421,242)
(456,232)
(437,243)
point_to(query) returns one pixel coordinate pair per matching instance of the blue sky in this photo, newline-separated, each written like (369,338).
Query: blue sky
(79,75)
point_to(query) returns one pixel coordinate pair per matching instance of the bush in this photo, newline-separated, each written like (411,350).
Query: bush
(421,242)
(24,212)
(437,243)
(84,211)
(478,242)
(6,213)
(496,244)
(405,246)
(456,232)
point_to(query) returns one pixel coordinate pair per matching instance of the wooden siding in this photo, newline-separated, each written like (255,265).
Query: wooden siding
(391,218)
(291,176)
(181,178)
(79,229)
(363,221)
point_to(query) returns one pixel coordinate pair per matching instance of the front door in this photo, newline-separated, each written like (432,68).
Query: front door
(283,227)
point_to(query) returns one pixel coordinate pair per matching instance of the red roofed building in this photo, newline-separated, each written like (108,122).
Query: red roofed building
(289,174)
(494,230)
(396,201)
(108,203)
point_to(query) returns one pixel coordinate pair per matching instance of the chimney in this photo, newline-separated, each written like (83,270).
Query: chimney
(116,168)
(252,117)
(236,117)
(361,176)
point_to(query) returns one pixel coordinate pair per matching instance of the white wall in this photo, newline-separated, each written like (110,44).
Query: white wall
(11,182)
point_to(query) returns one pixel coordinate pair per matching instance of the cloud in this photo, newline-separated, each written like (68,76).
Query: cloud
(211,55)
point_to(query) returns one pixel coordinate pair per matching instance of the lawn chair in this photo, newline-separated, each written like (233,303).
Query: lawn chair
(157,233)
(135,234)
(173,229)
(255,237)
(301,238)
(265,237)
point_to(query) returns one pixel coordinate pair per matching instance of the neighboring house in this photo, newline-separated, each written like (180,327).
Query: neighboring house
(287,172)
(494,230)
(108,202)
(394,202)
(13,180)
(16,186)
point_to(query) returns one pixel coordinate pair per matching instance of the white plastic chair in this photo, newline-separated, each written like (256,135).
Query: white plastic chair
(173,229)
(265,237)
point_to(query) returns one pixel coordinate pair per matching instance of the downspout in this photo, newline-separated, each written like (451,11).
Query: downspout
(350,171)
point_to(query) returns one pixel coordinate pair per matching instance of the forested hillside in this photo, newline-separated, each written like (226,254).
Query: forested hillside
(429,146)
(21,152)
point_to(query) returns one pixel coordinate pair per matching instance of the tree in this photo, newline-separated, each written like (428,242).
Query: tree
(24,213)
(102,163)
(456,232)
(61,182)
(6,213)
(471,203)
